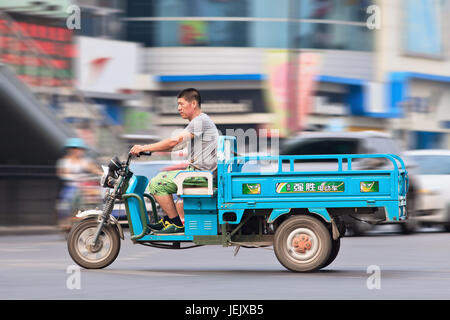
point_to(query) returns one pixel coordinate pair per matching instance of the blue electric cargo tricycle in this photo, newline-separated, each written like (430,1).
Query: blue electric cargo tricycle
(299,213)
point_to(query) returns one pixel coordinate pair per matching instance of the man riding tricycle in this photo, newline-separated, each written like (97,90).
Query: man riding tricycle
(298,212)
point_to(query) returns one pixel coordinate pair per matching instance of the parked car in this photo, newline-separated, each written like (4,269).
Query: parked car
(365,142)
(432,171)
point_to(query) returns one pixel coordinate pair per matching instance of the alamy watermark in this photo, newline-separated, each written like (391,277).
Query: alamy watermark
(373,282)
(250,142)
(73,281)
(373,22)
(73,21)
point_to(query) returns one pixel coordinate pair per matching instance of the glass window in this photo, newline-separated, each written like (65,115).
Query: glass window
(258,23)
(345,10)
(333,36)
(142,32)
(269,8)
(423,27)
(199,33)
(191,8)
(140,8)
(258,34)
(432,164)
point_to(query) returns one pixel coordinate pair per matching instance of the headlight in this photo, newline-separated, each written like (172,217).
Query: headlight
(114,165)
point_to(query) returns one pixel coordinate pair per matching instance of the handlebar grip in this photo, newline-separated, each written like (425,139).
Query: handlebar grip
(146,153)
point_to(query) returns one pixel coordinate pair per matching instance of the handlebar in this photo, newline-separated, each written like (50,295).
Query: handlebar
(145,153)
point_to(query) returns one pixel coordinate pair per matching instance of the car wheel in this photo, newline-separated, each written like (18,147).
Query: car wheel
(410,225)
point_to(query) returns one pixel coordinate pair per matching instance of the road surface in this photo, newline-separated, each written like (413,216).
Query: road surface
(378,266)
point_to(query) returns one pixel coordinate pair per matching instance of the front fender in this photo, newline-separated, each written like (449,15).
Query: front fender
(96,214)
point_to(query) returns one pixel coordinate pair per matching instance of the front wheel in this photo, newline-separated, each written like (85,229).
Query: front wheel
(302,244)
(79,243)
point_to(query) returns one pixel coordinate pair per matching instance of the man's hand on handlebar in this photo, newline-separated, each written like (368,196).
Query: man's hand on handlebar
(138,150)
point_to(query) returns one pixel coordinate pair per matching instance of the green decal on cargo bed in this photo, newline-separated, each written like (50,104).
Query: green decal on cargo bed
(251,188)
(369,186)
(297,187)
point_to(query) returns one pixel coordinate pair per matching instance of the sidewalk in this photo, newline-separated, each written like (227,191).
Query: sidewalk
(27,230)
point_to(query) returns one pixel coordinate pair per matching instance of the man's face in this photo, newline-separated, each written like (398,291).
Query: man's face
(185,108)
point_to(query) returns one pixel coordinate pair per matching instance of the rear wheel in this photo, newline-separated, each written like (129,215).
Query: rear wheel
(303,244)
(82,251)
(335,247)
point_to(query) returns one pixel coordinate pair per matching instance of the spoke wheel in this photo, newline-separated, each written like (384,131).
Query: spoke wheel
(82,250)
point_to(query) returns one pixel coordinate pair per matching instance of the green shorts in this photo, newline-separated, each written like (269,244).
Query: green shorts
(162,184)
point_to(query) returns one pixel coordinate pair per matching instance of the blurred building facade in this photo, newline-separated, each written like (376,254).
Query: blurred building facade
(413,63)
(36,56)
(291,65)
(47,97)
(380,65)
(230,49)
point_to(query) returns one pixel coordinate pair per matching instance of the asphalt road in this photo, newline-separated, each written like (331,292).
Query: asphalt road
(379,266)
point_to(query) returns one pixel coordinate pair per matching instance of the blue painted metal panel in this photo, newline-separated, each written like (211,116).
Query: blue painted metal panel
(277,213)
(200,215)
(168,238)
(137,186)
(201,224)
(356,100)
(344,187)
(210,77)
(341,80)
(322,212)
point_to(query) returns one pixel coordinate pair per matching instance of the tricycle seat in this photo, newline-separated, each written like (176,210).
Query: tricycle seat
(183,175)
(198,191)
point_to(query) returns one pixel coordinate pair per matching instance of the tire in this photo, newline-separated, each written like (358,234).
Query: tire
(447,222)
(302,233)
(335,247)
(410,225)
(83,254)
(359,228)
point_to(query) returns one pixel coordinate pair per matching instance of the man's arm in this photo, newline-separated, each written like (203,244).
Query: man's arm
(163,145)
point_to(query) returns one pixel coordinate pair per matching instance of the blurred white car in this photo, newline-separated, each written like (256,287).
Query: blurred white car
(432,172)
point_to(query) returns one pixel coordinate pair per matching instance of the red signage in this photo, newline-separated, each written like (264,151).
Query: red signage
(40,54)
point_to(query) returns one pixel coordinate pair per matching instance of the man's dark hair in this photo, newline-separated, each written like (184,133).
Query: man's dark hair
(191,94)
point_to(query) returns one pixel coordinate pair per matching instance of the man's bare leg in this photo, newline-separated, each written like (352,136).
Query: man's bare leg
(180,209)
(167,204)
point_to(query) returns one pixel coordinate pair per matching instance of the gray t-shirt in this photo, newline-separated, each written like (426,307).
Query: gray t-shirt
(203,147)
